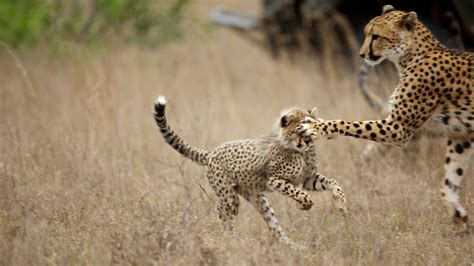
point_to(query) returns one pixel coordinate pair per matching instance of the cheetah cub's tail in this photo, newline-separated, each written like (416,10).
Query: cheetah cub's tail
(195,154)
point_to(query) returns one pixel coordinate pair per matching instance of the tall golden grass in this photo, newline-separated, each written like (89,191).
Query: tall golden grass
(85,177)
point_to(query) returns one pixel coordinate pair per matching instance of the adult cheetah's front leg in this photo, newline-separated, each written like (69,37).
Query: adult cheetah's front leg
(458,154)
(286,188)
(397,128)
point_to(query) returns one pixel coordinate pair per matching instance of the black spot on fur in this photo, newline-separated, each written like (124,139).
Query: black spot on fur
(445,119)
(466,145)
(457,214)
(160,109)
(459,149)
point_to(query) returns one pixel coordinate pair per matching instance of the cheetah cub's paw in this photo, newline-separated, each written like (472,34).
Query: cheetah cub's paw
(305,204)
(338,195)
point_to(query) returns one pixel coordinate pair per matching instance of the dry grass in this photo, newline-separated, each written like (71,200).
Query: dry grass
(86,178)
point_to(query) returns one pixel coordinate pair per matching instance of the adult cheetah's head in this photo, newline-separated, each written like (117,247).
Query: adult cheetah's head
(288,124)
(389,35)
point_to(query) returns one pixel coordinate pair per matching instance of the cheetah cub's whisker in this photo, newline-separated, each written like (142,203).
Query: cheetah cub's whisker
(279,161)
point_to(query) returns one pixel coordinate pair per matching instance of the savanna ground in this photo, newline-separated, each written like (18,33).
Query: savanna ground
(85,176)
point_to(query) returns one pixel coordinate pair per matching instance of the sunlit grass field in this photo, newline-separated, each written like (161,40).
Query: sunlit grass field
(85,177)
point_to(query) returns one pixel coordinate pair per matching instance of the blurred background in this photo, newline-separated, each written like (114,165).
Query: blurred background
(85,177)
(33,22)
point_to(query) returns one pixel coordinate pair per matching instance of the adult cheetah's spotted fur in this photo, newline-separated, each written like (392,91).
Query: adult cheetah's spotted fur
(435,85)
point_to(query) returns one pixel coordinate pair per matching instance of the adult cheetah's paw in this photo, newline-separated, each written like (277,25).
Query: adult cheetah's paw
(315,128)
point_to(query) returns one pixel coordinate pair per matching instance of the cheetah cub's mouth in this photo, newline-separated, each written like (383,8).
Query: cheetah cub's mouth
(304,143)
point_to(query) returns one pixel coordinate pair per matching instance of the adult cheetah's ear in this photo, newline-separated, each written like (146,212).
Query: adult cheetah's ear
(387,9)
(409,20)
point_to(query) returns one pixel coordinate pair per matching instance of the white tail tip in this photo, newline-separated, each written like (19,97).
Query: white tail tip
(161,100)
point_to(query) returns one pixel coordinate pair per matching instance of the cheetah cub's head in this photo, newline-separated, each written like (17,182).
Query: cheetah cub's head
(289,132)
(389,36)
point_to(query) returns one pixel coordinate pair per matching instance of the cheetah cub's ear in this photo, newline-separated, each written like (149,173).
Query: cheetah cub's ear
(387,9)
(314,112)
(285,121)
(287,117)
(409,20)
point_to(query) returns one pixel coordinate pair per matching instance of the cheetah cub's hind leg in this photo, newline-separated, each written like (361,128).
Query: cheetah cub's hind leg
(458,156)
(228,199)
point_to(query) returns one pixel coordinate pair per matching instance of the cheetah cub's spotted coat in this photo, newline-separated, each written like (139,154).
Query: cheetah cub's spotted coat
(277,162)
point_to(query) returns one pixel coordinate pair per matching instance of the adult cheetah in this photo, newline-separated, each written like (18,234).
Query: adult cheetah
(435,85)
(277,162)
(372,149)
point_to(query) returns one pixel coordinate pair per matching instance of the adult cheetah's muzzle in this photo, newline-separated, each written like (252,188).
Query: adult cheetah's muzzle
(305,130)
(373,57)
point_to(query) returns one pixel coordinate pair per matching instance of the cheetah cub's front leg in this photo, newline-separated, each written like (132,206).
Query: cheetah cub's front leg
(286,188)
(320,182)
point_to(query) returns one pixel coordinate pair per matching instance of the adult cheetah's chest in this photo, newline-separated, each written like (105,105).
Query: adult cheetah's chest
(438,88)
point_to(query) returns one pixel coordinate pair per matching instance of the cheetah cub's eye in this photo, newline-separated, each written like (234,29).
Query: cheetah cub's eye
(374,37)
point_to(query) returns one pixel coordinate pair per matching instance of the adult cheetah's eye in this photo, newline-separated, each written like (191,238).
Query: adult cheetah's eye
(374,37)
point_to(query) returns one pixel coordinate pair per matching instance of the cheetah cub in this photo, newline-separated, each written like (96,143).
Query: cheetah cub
(279,161)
